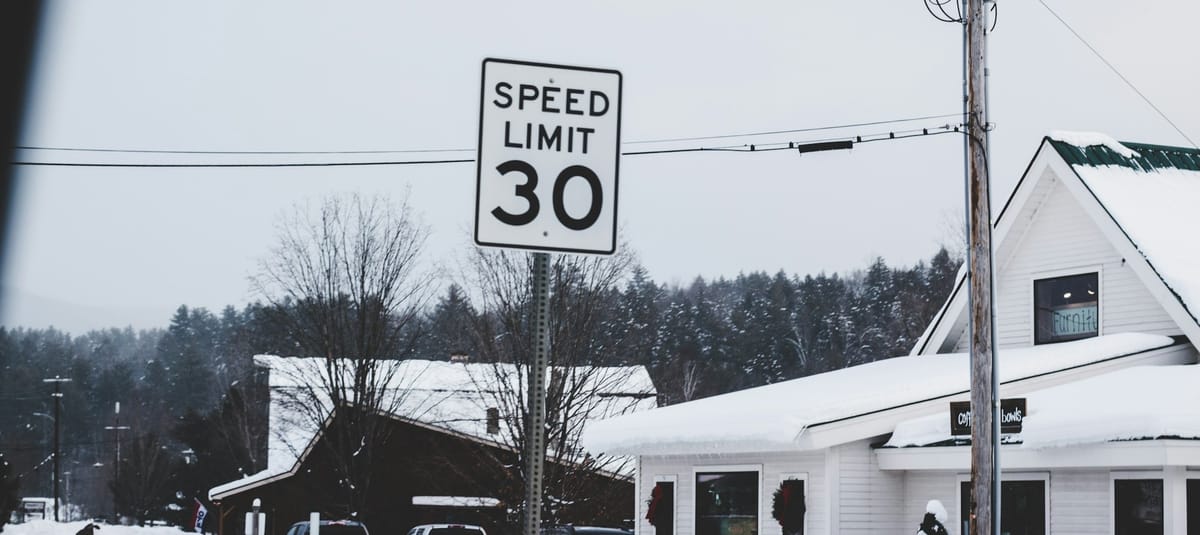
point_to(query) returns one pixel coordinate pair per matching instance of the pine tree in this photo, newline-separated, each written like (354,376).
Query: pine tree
(447,328)
(188,355)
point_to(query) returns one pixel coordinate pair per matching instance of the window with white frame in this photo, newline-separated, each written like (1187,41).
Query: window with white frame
(727,502)
(1066,308)
(1137,506)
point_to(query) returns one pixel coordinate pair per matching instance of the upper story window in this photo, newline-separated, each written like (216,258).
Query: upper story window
(1066,308)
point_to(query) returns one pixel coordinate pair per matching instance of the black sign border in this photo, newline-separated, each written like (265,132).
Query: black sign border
(1010,429)
(479,160)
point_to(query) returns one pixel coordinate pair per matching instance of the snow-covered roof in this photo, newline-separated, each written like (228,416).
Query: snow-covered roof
(774,417)
(446,396)
(1142,402)
(1151,192)
(455,501)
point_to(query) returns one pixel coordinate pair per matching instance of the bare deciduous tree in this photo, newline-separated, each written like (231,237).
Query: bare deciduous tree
(347,281)
(146,469)
(579,487)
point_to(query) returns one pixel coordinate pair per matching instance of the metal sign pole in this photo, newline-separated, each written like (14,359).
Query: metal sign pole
(535,436)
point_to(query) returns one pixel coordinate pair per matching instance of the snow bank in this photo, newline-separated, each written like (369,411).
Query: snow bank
(50,527)
(1090,139)
(773,417)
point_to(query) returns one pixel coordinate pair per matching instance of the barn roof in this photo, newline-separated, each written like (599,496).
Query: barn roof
(448,397)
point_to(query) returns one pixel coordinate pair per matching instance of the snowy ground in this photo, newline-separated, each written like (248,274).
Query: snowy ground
(49,527)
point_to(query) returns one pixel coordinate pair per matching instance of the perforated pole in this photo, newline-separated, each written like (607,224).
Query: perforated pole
(535,435)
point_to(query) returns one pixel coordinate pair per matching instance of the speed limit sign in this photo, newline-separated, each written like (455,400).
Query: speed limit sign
(549,140)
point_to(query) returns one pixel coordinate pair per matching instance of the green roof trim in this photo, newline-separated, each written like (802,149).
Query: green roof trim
(1149,157)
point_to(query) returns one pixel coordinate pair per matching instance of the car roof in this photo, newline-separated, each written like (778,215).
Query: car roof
(333,523)
(592,529)
(472,526)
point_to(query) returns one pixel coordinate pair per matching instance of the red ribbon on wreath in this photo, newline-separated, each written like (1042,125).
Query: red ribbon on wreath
(788,506)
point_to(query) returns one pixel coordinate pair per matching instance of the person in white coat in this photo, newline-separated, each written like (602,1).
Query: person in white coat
(934,522)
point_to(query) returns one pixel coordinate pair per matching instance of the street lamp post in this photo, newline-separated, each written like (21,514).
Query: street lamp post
(58,381)
(116,428)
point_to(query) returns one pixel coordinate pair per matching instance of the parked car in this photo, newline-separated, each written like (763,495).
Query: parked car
(331,527)
(446,529)
(582,530)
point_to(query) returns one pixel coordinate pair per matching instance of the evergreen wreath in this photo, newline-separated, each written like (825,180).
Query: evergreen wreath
(787,507)
(652,505)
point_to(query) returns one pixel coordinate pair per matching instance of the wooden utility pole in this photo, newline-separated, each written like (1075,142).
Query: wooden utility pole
(985,421)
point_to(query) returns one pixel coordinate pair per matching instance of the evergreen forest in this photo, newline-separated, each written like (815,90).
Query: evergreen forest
(186,392)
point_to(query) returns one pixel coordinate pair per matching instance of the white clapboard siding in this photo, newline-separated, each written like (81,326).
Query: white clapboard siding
(774,466)
(870,500)
(920,487)
(1080,502)
(1061,240)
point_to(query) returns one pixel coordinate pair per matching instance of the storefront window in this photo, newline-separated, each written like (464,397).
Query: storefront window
(727,503)
(1022,507)
(1138,506)
(1066,308)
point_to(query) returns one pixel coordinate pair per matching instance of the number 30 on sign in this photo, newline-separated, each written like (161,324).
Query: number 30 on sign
(549,151)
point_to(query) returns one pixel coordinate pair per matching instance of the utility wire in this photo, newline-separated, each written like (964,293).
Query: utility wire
(227,165)
(403,151)
(1118,73)
(766,147)
(796,131)
(256,152)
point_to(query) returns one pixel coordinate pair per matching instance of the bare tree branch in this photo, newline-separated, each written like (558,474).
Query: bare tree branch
(346,278)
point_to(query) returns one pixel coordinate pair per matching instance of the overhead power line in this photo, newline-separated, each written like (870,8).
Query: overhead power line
(411,151)
(799,146)
(229,165)
(241,152)
(1118,73)
(797,130)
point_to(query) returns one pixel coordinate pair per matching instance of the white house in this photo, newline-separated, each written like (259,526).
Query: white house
(1097,276)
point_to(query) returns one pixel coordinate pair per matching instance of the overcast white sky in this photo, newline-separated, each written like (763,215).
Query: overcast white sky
(111,247)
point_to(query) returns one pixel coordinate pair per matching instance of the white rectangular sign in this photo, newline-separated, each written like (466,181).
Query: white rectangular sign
(549,151)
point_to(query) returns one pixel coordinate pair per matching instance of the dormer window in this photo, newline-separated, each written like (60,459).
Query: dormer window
(1066,308)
